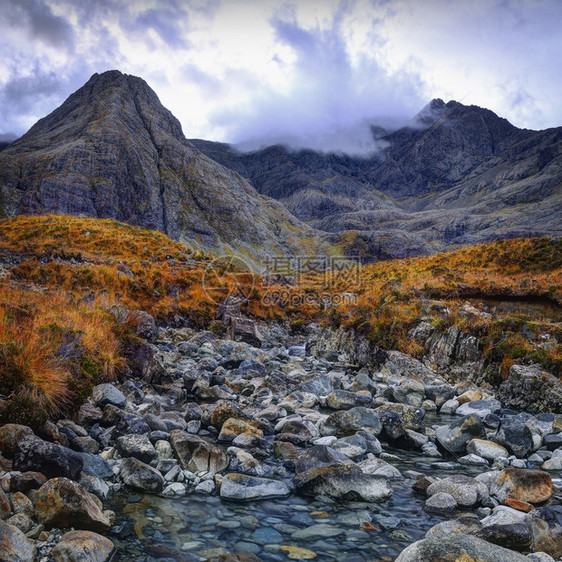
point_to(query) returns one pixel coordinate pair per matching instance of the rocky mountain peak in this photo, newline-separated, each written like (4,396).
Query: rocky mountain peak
(113,150)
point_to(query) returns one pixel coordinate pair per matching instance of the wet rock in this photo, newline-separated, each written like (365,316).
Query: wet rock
(379,467)
(455,436)
(34,454)
(514,434)
(14,545)
(138,446)
(462,525)
(60,502)
(342,482)
(481,408)
(392,424)
(441,502)
(82,546)
(486,449)
(243,487)
(10,435)
(352,447)
(532,486)
(347,422)
(320,456)
(465,490)
(410,392)
(197,454)
(106,393)
(546,526)
(95,465)
(457,547)
(516,536)
(439,393)
(141,476)
(412,417)
(345,399)
(450,406)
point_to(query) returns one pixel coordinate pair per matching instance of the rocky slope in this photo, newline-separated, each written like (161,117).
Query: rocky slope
(461,175)
(112,150)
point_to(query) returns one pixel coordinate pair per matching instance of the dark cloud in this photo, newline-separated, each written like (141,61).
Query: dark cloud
(331,102)
(38,19)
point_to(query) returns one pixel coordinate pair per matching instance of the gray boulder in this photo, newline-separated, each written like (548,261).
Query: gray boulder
(34,454)
(457,547)
(141,476)
(455,436)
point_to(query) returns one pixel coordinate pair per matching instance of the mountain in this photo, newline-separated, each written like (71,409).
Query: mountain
(459,175)
(111,150)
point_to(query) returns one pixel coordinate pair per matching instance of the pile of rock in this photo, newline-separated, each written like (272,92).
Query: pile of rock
(224,417)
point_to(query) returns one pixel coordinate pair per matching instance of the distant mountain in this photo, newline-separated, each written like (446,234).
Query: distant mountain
(112,150)
(460,175)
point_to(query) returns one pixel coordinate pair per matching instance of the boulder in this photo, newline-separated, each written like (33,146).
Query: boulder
(10,435)
(457,548)
(410,392)
(345,399)
(481,408)
(138,446)
(60,502)
(233,427)
(82,546)
(455,436)
(545,524)
(486,449)
(14,545)
(244,487)
(224,410)
(5,507)
(320,456)
(197,454)
(467,491)
(441,502)
(532,486)
(342,482)
(515,436)
(34,454)
(141,476)
(412,417)
(347,422)
(106,393)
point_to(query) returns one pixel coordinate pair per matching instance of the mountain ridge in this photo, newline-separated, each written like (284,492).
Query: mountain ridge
(461,176)
(112,150)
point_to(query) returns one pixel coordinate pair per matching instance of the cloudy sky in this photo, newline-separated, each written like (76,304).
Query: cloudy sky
(306,72)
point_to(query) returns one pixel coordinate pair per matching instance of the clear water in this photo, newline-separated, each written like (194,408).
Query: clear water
(199,527)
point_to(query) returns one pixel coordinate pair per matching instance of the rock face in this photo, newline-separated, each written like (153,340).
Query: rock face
(532,389)
(113,151)
(454,177)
